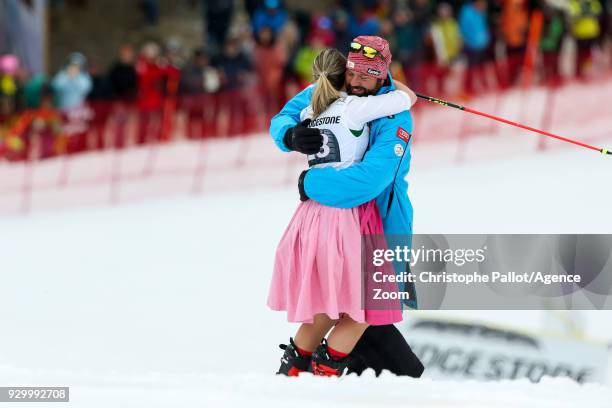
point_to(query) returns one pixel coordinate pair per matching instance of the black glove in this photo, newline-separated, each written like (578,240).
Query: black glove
(303,139)
(303,195)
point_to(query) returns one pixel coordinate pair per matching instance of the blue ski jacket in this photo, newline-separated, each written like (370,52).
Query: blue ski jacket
(381,175)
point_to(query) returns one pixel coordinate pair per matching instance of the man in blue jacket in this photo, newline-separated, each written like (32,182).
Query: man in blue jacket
(381,175)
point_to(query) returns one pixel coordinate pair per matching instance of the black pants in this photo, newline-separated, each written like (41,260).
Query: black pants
(384,347)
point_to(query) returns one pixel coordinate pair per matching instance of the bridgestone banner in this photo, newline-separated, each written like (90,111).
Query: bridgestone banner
(461,350)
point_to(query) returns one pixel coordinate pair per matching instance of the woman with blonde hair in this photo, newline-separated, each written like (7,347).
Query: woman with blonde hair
(317,275)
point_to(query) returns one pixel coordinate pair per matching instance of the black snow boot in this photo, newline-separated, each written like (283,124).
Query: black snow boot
(292,362)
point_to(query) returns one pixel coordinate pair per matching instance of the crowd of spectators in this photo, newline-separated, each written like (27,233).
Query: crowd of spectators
(247,67)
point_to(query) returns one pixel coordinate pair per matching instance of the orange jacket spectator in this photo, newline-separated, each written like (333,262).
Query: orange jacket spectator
(514,22)
(269,60)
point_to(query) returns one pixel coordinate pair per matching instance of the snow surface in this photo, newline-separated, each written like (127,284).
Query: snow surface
(162,303)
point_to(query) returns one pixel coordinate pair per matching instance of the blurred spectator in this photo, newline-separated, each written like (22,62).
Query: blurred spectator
(150,10)
(218,15)
(271,15)
(150,79)
(586,30)
(32,90)
(100,84)
(289,39)
(447,43)
(173,52)
(71,86)
(420,23)
(269,55)
(322,28)
(304,59)
(383,8)
(387,31)
(514,29)
(423,12)
(235,69)
(234,65)
(199,83)
(550,44)
(607,5)
(476,40)
(9,67)
(199,76)
(99,100)
(407,45)
(251,6)
(36,134)
(123,81)
(12,147)
(342,35)
(122,75)
(243,34)
(72,83)
(362,21)
(403,45)
(171,64)
(269,60)
(303,23)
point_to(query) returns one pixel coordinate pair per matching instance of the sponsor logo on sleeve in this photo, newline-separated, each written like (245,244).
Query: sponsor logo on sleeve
(398,149)
(403,134)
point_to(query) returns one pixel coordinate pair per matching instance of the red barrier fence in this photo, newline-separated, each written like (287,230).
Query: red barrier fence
(45,132)
(212,142)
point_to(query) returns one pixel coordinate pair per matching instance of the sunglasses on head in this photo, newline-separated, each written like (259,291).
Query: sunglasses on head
(366,50)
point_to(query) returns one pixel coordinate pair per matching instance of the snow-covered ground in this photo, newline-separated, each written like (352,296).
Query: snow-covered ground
(156,390)
(162,303)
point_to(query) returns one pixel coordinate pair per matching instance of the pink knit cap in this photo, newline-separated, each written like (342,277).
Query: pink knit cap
(378,66)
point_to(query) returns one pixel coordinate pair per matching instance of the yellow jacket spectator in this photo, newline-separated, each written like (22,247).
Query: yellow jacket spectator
(585,18)
(446,39)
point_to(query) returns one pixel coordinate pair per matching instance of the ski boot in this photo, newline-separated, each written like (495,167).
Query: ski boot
(292,362)
(324,364)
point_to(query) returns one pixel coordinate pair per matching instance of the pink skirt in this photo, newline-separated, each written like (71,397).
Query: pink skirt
(318,266)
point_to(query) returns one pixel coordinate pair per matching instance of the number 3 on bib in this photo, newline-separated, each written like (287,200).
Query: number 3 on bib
(330,151)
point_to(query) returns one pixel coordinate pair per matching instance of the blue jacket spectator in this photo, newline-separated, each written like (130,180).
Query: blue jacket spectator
(473,26)
(73,83)
(270,15)
(363,24)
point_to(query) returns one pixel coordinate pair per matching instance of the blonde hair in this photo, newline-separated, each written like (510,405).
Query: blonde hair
(328,70)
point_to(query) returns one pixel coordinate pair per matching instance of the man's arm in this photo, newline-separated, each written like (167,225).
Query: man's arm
(364,181)
(288,117)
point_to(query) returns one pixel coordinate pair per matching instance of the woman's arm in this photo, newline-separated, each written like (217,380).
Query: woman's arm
(361,110)
(402,87)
